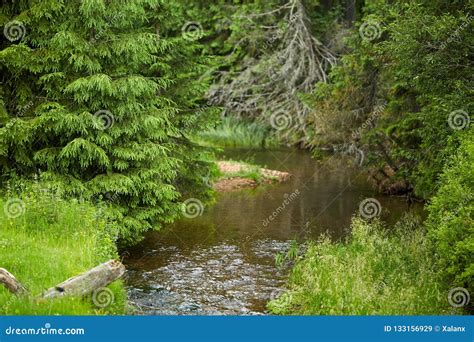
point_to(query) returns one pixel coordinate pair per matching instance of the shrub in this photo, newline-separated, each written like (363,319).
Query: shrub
(375,272)
(451,217)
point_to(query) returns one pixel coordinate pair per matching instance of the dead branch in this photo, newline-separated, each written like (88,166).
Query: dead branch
(268,86)
(80,285)
(10,282)
(89,281)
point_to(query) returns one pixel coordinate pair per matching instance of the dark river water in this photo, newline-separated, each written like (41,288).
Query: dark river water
(223,262)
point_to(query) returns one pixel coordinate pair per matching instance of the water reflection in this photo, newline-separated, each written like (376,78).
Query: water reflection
(223,261)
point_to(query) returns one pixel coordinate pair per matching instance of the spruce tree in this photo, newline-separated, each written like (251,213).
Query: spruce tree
(109,105)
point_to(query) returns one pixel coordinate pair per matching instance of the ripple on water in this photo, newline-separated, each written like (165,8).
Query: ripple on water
(221,280)
(223,262)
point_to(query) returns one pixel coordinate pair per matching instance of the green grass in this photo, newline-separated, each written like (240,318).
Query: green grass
(50,242)
(374,272)
(249,171)
(236,133)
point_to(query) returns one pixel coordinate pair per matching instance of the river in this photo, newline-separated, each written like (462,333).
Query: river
(223,262)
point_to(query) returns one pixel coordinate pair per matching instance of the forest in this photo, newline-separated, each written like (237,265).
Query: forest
(283,157)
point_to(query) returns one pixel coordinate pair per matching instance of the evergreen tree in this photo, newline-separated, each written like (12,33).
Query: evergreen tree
(99,102)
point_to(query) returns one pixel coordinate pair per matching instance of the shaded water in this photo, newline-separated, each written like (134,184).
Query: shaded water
(223,262)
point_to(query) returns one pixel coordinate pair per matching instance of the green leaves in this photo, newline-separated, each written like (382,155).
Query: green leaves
(112,101)
(451,217)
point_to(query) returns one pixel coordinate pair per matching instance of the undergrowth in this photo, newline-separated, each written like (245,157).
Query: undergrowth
(374,272)
(45,240)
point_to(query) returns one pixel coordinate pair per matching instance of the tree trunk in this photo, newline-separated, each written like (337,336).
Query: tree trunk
(350,11)
(10,282)
(89,281)
(80,285)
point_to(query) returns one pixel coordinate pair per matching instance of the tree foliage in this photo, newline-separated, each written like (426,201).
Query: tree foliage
(110,98)
(417,66)
(451,218)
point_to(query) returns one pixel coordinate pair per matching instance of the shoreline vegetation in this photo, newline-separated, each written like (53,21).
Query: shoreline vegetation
(240,175)
(231,132)
(109,116)
(411,269)
(375,271)
(52,240)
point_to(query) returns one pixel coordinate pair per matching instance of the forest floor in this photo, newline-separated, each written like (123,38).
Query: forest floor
(239,175)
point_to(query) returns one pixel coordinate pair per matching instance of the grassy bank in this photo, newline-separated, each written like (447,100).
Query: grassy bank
(45,240)
(374,272)
(231,169)
(415,268)
(236,133)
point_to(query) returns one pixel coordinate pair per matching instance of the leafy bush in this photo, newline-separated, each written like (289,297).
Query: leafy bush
(375,272)
(451,218)
(45,240)
(419,67)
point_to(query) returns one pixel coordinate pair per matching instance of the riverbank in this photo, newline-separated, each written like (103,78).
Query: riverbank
(222,262)
(45,240)
(416,268)
(376,271)
(240,175)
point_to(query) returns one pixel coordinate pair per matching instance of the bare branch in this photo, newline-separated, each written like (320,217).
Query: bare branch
(270,84)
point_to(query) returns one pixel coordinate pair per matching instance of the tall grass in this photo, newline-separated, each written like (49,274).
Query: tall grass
(50,241)
(236,133)
(374,272)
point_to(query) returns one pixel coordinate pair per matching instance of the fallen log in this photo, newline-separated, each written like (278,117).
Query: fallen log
(87,282)
(10,282)
(80,285)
